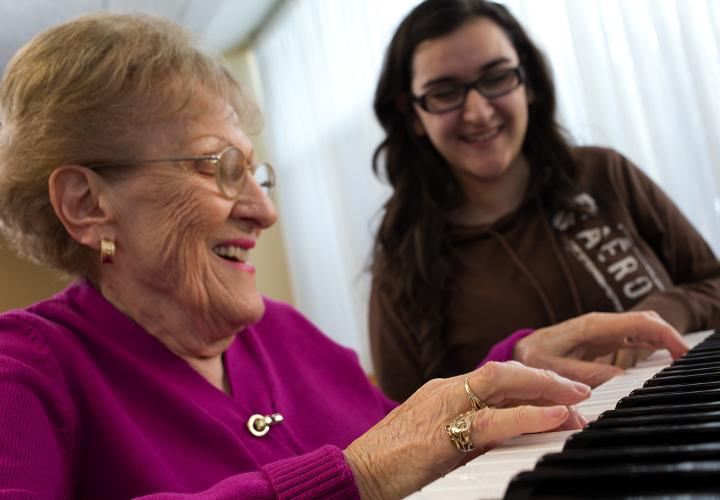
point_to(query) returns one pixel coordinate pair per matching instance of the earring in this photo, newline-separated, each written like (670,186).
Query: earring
(107,251)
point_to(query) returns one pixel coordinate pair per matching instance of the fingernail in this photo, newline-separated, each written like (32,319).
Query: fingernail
(581,388)
(556,411)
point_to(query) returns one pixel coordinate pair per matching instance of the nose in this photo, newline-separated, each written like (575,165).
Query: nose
(477,106)
(256,206)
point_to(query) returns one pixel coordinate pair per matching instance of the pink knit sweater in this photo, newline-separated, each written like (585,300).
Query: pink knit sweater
(92,406)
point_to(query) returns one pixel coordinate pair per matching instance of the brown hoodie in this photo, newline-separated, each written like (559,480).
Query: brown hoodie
(534,268)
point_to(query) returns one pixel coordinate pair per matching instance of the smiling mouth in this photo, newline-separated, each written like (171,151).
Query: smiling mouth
(231,253)
(484,136)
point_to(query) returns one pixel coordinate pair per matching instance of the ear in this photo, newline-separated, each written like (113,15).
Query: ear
(79,199)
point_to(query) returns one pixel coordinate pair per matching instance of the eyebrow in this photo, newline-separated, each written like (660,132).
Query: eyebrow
(224,143)
(448,79)
(203,138)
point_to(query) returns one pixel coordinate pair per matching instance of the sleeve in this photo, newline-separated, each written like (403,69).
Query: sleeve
(395,353)
(693,302)
(37,421)
(323,473)
(503,350)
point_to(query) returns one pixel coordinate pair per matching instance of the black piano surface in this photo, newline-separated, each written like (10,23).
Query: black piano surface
(660,441)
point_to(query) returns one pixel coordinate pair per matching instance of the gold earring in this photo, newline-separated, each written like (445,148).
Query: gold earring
(107,251)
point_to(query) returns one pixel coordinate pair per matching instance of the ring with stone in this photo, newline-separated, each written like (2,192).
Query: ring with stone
(459,431)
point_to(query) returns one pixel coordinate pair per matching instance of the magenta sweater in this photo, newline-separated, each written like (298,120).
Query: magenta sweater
(92,406)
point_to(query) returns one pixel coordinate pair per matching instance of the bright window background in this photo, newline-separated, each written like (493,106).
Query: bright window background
(640,76)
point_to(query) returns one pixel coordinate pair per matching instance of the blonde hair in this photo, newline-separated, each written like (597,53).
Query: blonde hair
(86,91)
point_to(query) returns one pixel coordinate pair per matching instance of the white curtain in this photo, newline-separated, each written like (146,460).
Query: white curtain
(641,76)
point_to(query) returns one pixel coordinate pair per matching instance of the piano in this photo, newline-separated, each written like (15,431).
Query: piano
(653,432)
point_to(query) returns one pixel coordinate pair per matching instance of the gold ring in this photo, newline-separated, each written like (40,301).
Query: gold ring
(459,431)
(476,402)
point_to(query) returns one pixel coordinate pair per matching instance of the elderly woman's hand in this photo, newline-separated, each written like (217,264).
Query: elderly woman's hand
(410,447)
(571,348)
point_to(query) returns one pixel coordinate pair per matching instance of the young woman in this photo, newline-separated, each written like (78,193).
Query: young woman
(496,222)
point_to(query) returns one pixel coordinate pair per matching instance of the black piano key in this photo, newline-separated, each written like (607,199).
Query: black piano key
(708,342)
(713,347)
(669,398)
(660,409)
(682,379)
(641,436)
(655,454)
(682,368)
(661,389)
(695,360)
(662,419)
(709,351)
(687,371)
(624,481)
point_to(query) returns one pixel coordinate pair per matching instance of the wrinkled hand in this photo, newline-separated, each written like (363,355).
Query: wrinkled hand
(572,348)
(409,447)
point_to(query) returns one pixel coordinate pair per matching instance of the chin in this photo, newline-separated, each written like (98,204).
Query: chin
(487,173)
(256,310)
(490,168)
(235,310)
(248,309)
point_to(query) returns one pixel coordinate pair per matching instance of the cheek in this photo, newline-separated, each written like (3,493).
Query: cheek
(439,129)
(517,108)
(180,220)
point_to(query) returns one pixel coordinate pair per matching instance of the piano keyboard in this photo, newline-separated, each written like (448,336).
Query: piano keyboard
(489,475)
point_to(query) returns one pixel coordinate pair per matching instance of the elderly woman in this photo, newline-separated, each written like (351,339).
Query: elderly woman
(162,371)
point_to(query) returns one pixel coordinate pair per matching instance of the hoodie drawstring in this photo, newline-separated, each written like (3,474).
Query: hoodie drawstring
(533,281)
(559,256)
(549,310)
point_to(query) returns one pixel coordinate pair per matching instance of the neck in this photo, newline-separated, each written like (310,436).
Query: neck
(487,200)
(200,344)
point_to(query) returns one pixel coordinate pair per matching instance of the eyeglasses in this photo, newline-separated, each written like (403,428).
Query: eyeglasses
(231,168)
(451,96)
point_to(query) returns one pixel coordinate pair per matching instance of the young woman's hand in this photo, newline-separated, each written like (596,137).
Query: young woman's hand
(575,347)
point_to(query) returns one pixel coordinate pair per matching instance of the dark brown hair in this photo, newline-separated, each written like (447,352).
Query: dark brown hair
(411,268)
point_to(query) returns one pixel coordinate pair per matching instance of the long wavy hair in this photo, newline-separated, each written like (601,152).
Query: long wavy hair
(411,267)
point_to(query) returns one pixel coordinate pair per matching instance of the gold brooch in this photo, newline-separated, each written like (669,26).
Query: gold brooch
(259,425)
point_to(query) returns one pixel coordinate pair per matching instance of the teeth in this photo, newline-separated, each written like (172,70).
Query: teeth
(231,252)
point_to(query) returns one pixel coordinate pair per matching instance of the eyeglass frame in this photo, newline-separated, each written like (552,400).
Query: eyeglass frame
(213,158)
(467,87)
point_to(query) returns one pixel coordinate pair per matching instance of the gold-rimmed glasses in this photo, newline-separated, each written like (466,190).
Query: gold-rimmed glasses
(232,169)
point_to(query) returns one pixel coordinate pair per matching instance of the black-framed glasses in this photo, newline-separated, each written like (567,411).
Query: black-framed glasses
(232,169)
(452,95)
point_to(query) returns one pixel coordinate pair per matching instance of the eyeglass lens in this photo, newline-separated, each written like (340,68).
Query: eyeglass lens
(497,85)
(232,171)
